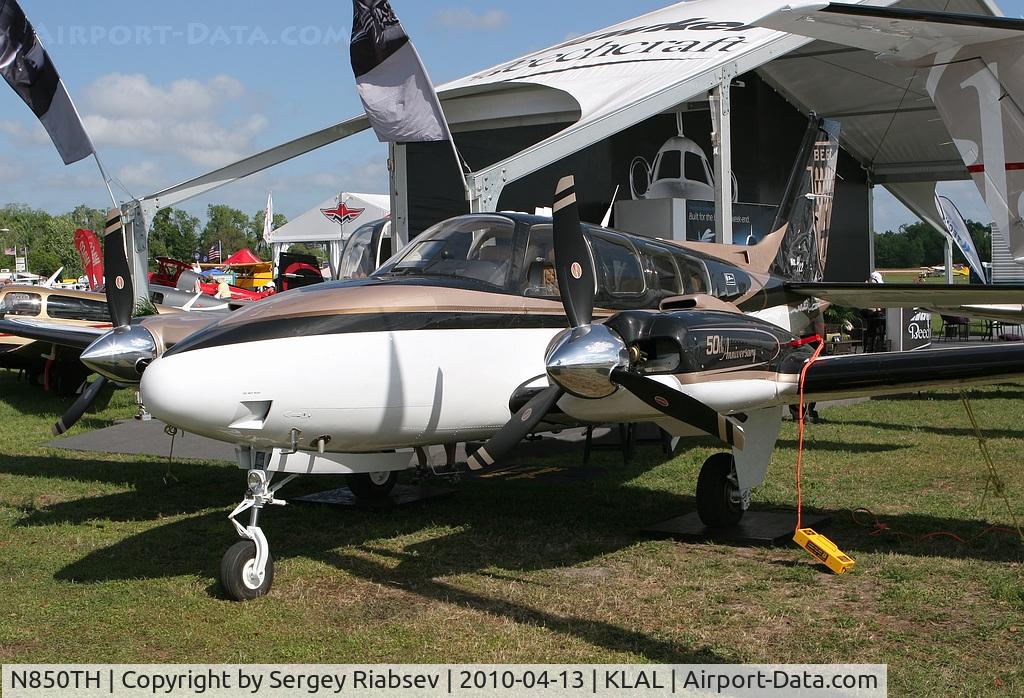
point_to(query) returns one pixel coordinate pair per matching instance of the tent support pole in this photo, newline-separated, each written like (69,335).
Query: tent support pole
(721,141)
(397,174)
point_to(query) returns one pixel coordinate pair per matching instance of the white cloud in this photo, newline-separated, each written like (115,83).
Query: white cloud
(34,134)
(186,117)
(144,174)
(461,18)
(120,95)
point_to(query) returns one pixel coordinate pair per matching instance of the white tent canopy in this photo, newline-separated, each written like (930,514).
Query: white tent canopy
(334,219)
(330,223)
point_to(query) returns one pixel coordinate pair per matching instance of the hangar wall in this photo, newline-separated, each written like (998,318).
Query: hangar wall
(767,132)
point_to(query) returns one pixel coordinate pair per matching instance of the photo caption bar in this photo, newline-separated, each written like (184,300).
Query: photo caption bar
(230,680)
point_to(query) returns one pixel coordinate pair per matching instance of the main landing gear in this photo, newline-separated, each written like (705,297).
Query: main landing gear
(247,568)
(372,486)
(720,502)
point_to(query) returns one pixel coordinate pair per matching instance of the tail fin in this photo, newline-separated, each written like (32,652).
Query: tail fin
(975,78)
(806,207)
(979,92)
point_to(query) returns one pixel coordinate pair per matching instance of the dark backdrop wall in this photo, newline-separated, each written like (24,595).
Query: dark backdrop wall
(766,135)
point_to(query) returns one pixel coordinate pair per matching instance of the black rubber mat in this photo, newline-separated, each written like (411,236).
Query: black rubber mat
(755,528)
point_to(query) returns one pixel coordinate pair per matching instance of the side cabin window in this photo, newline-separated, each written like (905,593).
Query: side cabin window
(666,279)
(618,265)
(693,273)
(728,281)
(20,304)
(71,308)
(620,277)
(539,263)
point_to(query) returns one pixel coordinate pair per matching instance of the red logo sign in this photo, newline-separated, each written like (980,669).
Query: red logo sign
(576,270)
(526,415)
(661,401)
(119,282)
(342,213)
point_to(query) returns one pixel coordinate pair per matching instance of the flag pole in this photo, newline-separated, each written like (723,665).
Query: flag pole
(106,180)
(462,165)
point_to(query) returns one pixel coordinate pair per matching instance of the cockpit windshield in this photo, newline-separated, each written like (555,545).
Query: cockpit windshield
(468,247)
(357,259)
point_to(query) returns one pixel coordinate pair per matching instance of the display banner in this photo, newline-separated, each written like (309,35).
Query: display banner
(750,222)
(229,680)
(908,329)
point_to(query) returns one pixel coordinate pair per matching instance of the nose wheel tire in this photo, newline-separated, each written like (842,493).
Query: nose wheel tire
(719,502)
(237,574)
(370,486)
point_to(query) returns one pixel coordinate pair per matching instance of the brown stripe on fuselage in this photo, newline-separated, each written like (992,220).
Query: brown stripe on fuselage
(392,298)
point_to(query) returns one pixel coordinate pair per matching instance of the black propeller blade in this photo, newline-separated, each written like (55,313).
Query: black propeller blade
(521,424)
(118,276)
(680,406)
(574,269)
(120,304)
(79,407)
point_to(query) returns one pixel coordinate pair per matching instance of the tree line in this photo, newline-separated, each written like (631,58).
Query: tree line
(176,233)
(921,245)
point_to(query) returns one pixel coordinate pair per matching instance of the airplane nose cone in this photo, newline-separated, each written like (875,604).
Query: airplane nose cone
(121,354)
(184,392)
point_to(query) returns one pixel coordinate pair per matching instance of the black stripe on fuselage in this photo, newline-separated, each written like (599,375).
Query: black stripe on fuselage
(315,325)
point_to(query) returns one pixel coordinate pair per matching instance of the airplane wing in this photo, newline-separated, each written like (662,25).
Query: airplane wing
(75,337)
(904,33)
(862,295)
(974,78)
(891,372)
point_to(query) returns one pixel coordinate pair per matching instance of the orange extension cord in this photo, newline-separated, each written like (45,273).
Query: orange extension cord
(800,439)
(878,527)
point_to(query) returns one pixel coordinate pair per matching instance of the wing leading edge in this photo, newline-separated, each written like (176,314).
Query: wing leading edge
(863,295)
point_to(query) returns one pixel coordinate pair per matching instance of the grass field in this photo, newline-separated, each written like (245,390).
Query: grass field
(101,561)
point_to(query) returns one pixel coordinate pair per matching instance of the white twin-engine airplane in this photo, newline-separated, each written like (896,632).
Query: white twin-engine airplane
(467,326)
(462,335)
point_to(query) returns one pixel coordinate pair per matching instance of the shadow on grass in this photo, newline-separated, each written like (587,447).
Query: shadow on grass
(1011,391)
(509,526)
(842,446)
(941,431)
(34,401)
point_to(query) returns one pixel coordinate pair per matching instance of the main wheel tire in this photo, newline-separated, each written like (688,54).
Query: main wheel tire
(370,486)
(233,572)
(717,492)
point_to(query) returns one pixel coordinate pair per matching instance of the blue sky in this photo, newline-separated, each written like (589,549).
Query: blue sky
(172,90)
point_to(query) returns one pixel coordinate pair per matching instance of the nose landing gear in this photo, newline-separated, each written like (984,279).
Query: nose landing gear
(247,568)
